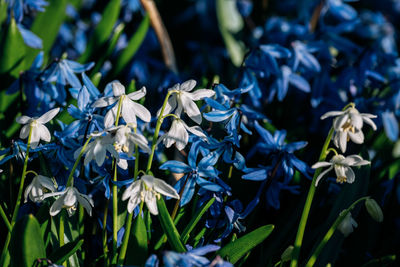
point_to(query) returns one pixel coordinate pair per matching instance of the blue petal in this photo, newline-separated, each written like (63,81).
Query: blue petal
(30,39)
(219,115)
(176,166)
(258,175)
(391,125)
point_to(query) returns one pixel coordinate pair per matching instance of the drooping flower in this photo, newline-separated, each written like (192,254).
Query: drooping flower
(348,125)
(129,108)
(39,131)
(182,99)
(346,226)
(342,168)
(147,189)
(38,187)
(178,134)
(69,199)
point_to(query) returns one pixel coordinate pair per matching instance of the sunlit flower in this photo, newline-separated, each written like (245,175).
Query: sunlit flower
(38,187)
(178,134)
(348,125)
(69,200)
(182,99)
(148,189)
(129,108)
(39,131)
(341,165)
(346,226)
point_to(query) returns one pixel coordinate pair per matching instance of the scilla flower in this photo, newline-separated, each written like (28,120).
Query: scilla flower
(148,189)
(346,226)
(342,168)
(129,108)
(39,131)
(348,125)
(38,187)
(69,200)
(178,134)
(182,99)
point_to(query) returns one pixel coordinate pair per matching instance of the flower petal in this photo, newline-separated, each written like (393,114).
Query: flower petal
(322,174)
(331,114)
(165,189)
(49,115)
(190,108)
(201,94)
(118,89)
(23,119)
(138,94)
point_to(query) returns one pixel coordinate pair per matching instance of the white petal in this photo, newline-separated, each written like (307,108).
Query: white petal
(331,114)
(356,120)
(57,206)
(86,202)
(43,132)
(370,122)
(181,137)
(163,188)
(148,180)
(24,131)
(350,176)
(187,86)
(171,105)
(142,112)
(322,174)
(23,119)
(99,153)
(110,117)
(202,93)
(196,130)
(128,112)
(27,190)
(321,164)
(131,190)
(357,137)
(151,203)
(118,89)
(104,102)
(123,164)
(190,108)
(138,94)
(133,202)
(49,115)
(70,197)
(35,138)
(340,121)
(343,141)
(141,141)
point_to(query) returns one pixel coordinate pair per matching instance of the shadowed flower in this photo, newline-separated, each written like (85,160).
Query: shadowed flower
(38,187)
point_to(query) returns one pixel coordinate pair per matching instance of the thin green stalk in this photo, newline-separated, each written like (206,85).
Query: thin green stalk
(105,248)
(115,191)
(127,234)
(5,219)
(19,196)
(157,131)
(330,232)
(136,171)
(61,232)
(70,181)
(303,221)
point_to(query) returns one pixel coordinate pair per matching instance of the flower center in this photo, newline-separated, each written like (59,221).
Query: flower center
(341,179)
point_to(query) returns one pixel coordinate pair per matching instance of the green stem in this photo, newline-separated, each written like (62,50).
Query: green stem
(157,131)
(105,248)
(127,234)
(330,232)
(5,219)
(70,181)
(307,206)
(61,232)
(19,196)
(136,171)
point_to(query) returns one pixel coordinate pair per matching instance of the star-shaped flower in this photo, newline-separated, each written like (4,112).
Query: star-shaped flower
(342,168)
(148,189)
(178,134)
(348,125)
(129,108)
(69,199)
(38,187)
(39,131)
(182,99)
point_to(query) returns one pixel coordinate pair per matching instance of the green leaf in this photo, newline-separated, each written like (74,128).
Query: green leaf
(110,47)
(63,253)
(137,248)
(195,219)
(103,29)
(230,23)
(133,45)
(169,227)
(46,26)
(12,51)
(26,242)
(237,249)
(3,11)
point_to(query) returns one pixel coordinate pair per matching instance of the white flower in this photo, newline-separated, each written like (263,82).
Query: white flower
(342,168)
(129,108)
(346,226)
(182,99)
(38,187)
(348,125)
(97,149)
(39,131)
(69,199)
(125,141)
(148,189)
(178,134)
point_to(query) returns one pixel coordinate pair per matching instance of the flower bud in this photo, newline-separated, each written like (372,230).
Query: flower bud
(287,254)
(374,209)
